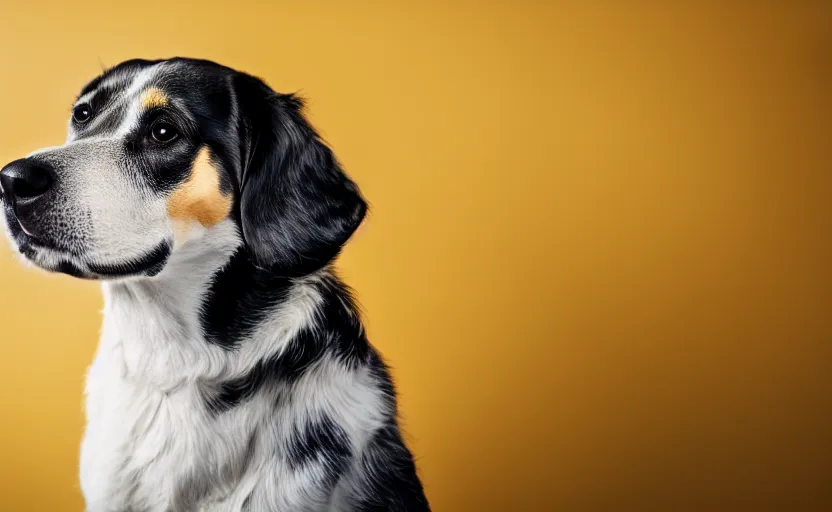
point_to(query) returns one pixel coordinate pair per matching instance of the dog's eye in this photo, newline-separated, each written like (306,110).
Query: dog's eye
(82,113)
(163,132)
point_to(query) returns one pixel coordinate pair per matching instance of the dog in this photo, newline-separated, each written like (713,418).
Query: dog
(233,372)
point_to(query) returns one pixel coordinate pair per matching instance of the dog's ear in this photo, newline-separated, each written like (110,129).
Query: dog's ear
(297,206)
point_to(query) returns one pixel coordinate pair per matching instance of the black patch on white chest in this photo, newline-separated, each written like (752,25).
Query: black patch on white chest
(321,443)
(240,297)
(336,332)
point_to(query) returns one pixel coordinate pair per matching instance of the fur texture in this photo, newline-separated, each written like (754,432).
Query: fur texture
(233,372)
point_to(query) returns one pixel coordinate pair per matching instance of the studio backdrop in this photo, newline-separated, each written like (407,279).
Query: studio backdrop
(598,256)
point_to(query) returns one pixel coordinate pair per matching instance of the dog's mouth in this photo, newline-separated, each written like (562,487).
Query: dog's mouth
(52,257)
(148,264)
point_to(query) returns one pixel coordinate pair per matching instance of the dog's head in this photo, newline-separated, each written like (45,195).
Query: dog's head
(162,153)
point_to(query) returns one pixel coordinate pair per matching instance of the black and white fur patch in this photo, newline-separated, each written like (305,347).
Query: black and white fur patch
(233,372)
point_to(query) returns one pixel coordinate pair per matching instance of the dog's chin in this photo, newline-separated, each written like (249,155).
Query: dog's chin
(148,264)
(52,257)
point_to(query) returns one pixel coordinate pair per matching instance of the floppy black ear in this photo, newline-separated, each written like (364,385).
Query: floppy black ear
(297,206)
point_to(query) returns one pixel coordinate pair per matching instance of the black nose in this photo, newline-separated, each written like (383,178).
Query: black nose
(24,179)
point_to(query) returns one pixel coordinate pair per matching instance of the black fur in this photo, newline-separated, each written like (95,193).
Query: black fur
(390,475)
(240,297)
(323,442)
(297,206)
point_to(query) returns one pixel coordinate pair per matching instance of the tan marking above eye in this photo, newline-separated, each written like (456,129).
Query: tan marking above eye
(199,198)
(153,97)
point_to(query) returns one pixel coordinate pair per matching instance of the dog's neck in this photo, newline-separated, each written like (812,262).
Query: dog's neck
(180,288)
(195,313)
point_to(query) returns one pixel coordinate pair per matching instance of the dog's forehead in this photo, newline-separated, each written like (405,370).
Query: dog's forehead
(196,89)
(118,81)
(175,75)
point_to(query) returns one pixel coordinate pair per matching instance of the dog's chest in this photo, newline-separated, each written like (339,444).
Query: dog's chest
(150,447)
(137,436)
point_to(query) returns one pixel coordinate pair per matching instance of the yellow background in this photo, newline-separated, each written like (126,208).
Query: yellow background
(599,254)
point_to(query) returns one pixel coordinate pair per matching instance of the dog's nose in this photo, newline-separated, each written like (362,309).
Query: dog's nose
(24,180)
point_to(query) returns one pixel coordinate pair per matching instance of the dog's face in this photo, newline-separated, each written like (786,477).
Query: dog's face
(158,154)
